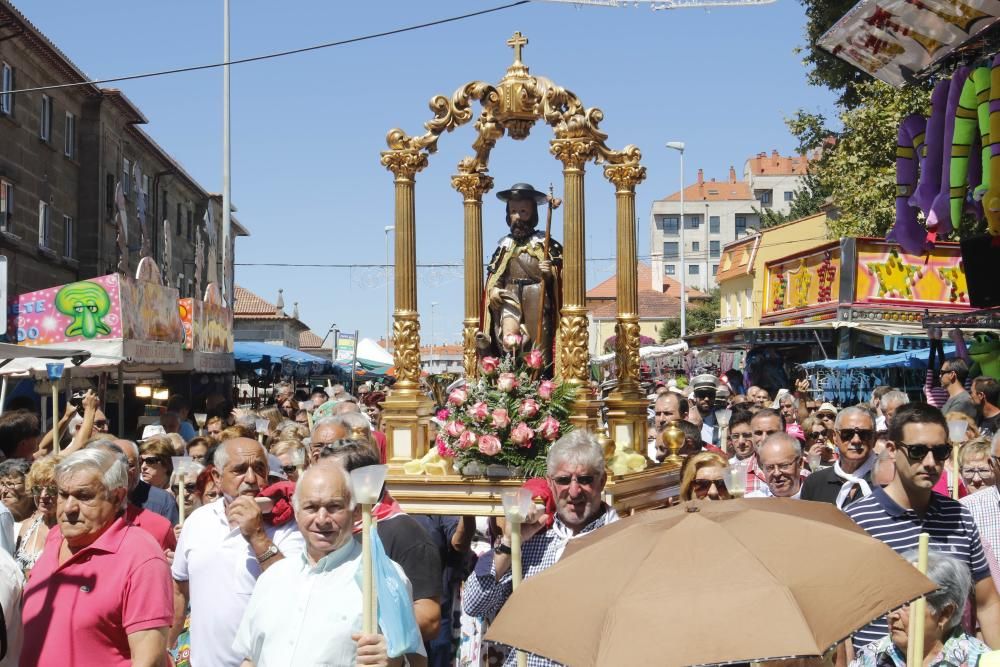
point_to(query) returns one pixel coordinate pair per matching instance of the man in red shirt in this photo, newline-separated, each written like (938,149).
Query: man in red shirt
(100,593)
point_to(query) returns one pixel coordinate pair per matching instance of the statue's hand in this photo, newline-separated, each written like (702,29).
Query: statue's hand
(496,296)
(545,266)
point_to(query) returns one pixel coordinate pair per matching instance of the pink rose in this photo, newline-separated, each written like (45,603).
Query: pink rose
(467,439)
(454,428)
(458,396)
(489,445)
(479,411)
(442,414)
(522,435)
(443,449)
(545,389)
(507,382)
(500,418)
(529,408)
(489,365)
(549,428)
(534,358)
(510,341)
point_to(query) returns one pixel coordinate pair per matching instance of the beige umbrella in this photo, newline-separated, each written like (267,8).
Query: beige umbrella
(709,582)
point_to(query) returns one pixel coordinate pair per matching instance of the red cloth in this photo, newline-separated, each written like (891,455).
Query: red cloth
(943,485)
(542,493)
(386,508)
(81,612)
(380,440)
(154,524)
(281,494)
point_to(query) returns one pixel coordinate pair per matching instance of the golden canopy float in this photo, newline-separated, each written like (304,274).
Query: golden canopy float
(512,107)
(128,325)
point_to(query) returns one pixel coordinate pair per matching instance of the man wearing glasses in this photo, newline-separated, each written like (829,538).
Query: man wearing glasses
(985,505)
(953,375)
(850,478)
(896,515)
(576,477)
(780,459)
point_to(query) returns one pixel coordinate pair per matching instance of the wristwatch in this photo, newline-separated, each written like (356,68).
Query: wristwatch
(501,549)
(271,552)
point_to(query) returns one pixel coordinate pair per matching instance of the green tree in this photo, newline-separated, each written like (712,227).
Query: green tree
(701,317)
(669,330)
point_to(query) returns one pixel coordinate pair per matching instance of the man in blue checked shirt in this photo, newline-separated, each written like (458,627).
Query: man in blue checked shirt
(576,477)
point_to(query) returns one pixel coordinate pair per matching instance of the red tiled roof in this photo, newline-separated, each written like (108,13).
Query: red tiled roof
(774,164)
(644,277)
(309,339)
(714,190)
(653,305)
(250,306)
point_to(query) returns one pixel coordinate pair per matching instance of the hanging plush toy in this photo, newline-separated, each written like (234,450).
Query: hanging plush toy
(985,355)
(968,122)
(991,201)
(910,152)
(929,184)
(939,217)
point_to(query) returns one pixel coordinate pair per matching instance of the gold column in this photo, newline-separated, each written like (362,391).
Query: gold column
(406,410)
(626,404)
(472,187)
(573,347)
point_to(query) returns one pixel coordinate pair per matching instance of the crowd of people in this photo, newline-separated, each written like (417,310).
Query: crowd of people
(237,544)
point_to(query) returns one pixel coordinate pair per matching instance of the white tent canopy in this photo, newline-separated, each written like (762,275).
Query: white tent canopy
(647,352)
(371,351)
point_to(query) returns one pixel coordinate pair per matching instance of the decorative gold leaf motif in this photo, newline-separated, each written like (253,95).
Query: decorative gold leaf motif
(406,353)
(573,347)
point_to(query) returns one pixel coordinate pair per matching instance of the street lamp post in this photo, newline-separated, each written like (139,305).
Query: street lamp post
(433,306)
(679,147)
(388,287)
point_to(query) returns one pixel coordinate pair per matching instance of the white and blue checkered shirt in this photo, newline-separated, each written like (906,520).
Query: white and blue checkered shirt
(985,508)
(483,595)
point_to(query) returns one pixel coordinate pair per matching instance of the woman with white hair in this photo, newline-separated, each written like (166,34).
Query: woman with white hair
(945,641)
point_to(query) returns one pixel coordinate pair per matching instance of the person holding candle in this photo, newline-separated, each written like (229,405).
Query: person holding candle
(945,641)
(896,515)
(306,610)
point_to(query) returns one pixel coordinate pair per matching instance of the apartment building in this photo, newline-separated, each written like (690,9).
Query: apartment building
(773,179)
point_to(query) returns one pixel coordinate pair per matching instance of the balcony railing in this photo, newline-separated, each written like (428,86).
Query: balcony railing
(729,322)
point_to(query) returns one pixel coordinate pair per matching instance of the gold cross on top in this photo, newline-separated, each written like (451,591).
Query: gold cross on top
(516,42)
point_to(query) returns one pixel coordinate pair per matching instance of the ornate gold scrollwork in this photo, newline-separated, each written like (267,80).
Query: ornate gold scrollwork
(625,176)
(627,348)
(470,360)
(572,153)
(574,356)
(406,353)
(472,186)
(404,164)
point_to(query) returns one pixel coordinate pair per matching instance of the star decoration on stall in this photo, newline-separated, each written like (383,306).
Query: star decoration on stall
(895,277)
(801,281)
(826,272)
(958,288)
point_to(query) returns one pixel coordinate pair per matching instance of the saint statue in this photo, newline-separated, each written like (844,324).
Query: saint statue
(521,299)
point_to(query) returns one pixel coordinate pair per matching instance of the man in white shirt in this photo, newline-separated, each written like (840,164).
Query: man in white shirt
(780,459)
(224,546)
(306,610)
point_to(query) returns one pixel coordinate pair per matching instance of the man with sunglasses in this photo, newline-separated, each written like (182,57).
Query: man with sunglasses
(703,389)
(850,477)
(576,478)
(953,375)
(908,506)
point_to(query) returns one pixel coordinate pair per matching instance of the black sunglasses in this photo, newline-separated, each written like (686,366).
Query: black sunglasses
(917,453)
(703,485)
(582,480)
(847,434)
(288,470)
(150,460)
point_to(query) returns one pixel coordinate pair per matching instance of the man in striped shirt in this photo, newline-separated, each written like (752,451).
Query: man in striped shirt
(918,440)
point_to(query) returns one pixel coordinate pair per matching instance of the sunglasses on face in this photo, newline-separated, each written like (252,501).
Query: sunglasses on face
(816,435)
(704,485)
(51,491)
(566,480)
(704,394)
(150,460)
(848,434)
(764,434)
(289,470)
(917,453)
(944,371)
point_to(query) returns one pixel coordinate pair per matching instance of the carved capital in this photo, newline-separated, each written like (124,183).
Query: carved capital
(573,346)
(406,350)
(472,186)
(404,163)
(625,176)
(573,153)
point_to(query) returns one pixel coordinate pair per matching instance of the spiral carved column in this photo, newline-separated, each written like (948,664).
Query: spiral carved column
(407,410)
(573,362)
(472,187)
(626,404)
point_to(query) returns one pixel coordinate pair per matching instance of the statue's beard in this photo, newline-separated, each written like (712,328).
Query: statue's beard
(521,230)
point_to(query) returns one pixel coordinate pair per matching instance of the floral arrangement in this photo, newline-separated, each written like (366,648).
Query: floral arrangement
(508,416)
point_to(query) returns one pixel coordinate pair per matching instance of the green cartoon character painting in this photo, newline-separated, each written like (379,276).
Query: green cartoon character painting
(86,303)
(985,354)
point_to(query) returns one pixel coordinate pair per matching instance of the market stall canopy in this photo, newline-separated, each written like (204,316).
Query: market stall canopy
(256,354)
(96,356)
(10,352)
(373,359)
(647,352)
(912,359)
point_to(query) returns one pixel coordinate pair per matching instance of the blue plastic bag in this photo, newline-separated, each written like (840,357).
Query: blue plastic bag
(395,607)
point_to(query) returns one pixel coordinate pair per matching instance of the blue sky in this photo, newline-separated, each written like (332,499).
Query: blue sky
(308,129)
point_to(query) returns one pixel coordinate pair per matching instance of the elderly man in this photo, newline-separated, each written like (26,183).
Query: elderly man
(141,493)
(985,505)
(888,404)
(224,546)
(780,459)
(100,592)
(406,541)
(668,407)
(758,396)
(703,389)
(850,478)
(576,477)
(325,433)
(918,441)
(764,423)
(306,610)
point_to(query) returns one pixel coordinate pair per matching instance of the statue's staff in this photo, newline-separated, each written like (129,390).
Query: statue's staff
(553,203)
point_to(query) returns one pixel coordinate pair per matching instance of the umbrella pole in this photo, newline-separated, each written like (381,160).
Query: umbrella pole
(915,641)
(55,419)
(954,471)
(180,499)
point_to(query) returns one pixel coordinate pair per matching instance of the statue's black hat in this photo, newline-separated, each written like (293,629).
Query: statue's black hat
(522,191)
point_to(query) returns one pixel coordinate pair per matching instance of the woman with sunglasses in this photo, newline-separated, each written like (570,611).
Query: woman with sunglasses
(820,450)
(705,477)
(41,484)
(155,463)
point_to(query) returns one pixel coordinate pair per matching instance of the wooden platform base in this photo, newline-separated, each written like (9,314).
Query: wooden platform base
(454,495)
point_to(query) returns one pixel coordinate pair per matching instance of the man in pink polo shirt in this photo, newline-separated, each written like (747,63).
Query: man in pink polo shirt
(100,594)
